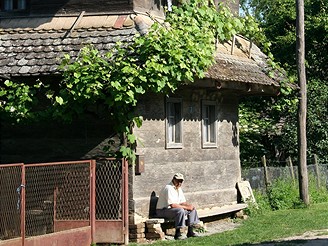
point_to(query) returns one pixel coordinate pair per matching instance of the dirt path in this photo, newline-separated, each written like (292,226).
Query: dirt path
(313,238)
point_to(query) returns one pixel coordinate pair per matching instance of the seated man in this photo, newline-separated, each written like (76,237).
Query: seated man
(172,205)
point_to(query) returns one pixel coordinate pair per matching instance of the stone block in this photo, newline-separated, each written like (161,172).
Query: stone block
(155,221)
(138,230)
(136,235)
(154,230)
(155,235)
(137,240)
(153,225)
(136,226)
(170,231)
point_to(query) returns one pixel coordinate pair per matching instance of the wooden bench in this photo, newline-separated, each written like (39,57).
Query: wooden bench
(166,227)
(202,213)
(215,211)
(162,226)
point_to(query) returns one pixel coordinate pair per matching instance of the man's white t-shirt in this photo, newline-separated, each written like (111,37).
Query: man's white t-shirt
(169,195)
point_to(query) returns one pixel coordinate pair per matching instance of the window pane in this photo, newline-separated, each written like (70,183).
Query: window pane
(171,122)
(212,123)
(177,122)
(209,124)
(21,4)
(206,124)
(8,5)
(174,117)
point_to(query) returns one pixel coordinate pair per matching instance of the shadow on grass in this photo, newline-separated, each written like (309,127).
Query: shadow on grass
(306,242)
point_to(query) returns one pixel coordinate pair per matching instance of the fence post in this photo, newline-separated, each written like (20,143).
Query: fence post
(317,171)
(266,178)
(93,199)
(23,205)
(126,200)
(289,161)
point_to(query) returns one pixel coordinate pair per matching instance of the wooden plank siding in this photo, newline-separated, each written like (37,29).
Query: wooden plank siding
(75,6)
(69,7)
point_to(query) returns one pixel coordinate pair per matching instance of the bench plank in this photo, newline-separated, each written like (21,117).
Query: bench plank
(202,213)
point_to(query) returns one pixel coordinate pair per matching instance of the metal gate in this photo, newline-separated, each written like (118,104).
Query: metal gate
(112,201)
(68,203)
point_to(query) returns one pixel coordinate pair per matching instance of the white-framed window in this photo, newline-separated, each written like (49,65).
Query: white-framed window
(174,123)
(209,124)
(13,5)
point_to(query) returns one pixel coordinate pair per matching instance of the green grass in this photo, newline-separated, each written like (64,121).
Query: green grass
(266,227)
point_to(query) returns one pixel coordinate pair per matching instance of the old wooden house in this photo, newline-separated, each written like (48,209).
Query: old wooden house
(193,131)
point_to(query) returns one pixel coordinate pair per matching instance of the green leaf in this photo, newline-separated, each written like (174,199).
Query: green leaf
(59,100)
(131,138)
(8,83)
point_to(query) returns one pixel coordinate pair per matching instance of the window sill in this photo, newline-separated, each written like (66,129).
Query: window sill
(174,146)
(209,146)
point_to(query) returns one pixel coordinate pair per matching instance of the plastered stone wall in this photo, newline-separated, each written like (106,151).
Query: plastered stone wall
(211,174)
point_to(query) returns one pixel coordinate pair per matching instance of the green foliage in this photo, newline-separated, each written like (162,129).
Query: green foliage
(318,194)
(277,19)
(261,206)
(17,99)
(267,126)
(284,194)
(253,125)
(83,83)
(317,121)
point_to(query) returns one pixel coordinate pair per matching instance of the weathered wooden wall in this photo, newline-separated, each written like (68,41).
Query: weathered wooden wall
(211,174)
(97,6)
(76,6)
(154,7)
(53,141)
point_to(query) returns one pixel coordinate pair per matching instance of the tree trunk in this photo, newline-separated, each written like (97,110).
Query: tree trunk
(302,148)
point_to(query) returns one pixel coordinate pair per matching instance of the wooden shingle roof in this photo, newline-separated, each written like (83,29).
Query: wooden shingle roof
(241,64)
(35,46)
(32,47)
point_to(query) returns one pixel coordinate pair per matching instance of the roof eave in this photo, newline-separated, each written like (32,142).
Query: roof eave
(238,87)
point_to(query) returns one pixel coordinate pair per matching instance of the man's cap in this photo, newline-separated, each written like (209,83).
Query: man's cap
(178,176)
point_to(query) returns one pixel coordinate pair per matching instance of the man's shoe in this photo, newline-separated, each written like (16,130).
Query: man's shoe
(192,235)
(179,237)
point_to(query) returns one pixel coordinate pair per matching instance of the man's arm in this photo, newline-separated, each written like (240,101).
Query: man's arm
(183,205)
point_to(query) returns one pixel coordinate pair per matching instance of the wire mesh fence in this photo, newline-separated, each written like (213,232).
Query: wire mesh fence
(43,198)
(10,219)
(109,190)
(256,176)
(56,192)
